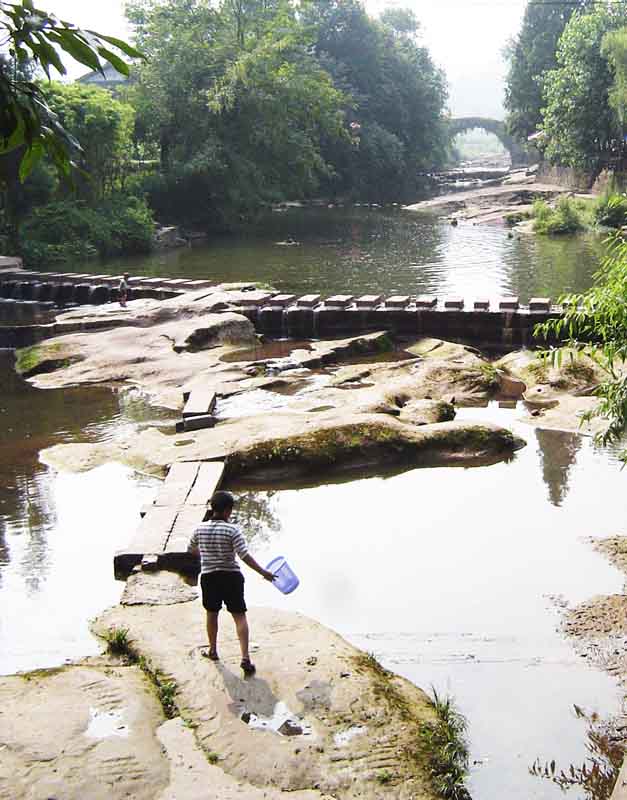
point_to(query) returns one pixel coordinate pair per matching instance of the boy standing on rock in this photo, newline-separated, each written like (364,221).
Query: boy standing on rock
(123,289)
(217,542)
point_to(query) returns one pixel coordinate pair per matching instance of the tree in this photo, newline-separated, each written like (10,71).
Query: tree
(33,36)
(397,94)
(236,101)
(103,126)
(614,49)
(595,323)
(578,120)
(531,55)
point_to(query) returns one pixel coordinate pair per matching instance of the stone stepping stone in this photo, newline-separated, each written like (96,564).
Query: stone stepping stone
(207,482)
(200,402)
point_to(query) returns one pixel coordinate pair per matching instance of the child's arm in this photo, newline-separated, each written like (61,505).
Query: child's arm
(192,547)
(250,561)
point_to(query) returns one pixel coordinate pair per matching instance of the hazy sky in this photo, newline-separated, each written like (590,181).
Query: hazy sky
(466,38)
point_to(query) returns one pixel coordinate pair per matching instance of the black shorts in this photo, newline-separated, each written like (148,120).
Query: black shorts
(223,586)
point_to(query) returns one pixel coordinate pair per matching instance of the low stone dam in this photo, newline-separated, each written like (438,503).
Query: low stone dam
(502,323)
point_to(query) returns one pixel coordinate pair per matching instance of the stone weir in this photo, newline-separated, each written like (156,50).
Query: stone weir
(30,299)
(503,323)
(71,288)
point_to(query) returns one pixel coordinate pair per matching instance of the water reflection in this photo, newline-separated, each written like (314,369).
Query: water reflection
(446,573)
(56,533)
(558,454)
(367,250)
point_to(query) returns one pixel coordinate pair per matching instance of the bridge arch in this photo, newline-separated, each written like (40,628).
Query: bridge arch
(459,125)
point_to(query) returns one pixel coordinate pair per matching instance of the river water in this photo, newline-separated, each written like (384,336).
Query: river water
(452,577)
(370,250)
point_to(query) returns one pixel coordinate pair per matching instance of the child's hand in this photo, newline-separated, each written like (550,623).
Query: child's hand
(269,576)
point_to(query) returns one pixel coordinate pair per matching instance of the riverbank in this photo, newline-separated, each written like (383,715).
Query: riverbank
(319,720)
(494,204)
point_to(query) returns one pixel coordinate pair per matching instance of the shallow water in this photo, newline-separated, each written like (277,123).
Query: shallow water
(374,250)
(59,531)
(451,576)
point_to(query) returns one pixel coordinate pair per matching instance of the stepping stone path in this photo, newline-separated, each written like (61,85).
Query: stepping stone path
(165,529)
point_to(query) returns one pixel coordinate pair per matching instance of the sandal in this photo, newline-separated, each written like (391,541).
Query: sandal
(248,667)
(212,655)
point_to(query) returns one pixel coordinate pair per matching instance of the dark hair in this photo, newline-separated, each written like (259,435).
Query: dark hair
(221,502)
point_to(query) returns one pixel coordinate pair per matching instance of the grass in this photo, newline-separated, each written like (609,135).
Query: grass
(491,381)
(39,674)
(119,644)
(441,745)
(117,641)
(445,743)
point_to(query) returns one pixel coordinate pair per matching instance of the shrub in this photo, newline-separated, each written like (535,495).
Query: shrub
(611,210)
(70,230)
(566,217)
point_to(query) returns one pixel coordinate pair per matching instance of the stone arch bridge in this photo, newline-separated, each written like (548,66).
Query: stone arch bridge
(462,124)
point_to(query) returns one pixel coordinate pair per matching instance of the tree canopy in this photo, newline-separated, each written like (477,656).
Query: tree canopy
(578,119)
(531,55)
(246,101)
(34,37)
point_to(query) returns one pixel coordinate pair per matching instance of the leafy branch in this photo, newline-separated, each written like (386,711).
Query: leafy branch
(34,37)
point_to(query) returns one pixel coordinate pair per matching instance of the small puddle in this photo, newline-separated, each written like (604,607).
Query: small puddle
(104,724)
(276,348)
(282,721)
(342,738)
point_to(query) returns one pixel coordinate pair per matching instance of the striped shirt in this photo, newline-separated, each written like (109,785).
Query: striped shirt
(218,542)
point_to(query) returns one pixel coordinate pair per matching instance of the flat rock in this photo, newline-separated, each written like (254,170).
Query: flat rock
(80,732)
(157,588)
(213,697)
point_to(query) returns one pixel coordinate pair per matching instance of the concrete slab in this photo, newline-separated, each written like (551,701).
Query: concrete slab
(454,303)
(339,301)
(369,301)
(283,300)
(208,481)
(426,301)
(178,484)
(540,304)
(308,301)
(397,301)
(201,401)
(508,304)
(481,305)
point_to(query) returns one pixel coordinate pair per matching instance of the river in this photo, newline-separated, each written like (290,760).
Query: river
(452,577)
(372,250)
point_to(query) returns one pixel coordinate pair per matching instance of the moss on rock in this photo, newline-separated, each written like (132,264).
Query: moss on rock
(42,358)
(363,443)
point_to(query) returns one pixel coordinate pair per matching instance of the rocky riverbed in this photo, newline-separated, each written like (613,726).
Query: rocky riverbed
(349,728)
(492,204)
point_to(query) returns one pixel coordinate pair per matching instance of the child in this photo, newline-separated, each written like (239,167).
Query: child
(123,290)
(216,542)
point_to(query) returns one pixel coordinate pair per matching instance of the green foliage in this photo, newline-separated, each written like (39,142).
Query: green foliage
(578,119)
(70,229)
(445,743)
(566,217)
(104,127)
(611,210)
(27,123)
(531,55)
(248,102)
(118,643)
(595,323)
(614,49)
